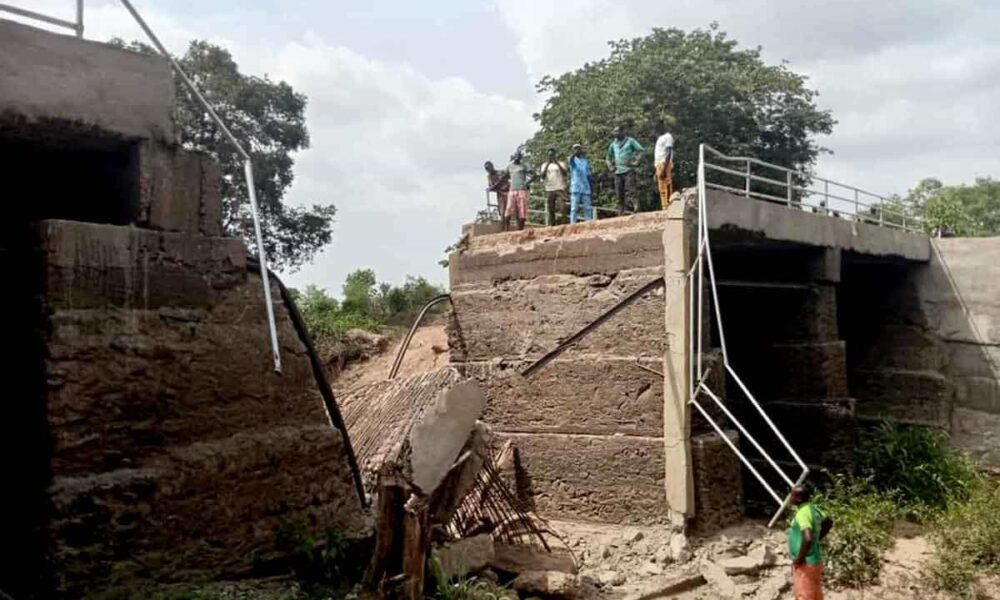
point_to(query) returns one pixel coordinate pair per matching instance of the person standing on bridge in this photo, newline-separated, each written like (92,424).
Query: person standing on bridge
(622,159)
(579,184)
(517,197)
(497,182)
(663,158)
(555,176)
(809,527)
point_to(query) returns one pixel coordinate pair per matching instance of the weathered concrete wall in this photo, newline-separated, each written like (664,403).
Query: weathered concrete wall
(776,222)
(176,451)
(589,425)
(960,293)
(157,441)
(45,76)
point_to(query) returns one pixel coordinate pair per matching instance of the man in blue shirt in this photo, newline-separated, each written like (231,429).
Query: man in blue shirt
(622,158)
(579,184)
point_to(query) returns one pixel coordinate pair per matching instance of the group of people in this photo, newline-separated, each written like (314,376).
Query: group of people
(571,182)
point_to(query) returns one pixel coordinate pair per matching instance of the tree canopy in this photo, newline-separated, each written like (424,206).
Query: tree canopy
(701,85)
(963,210)
(268,119)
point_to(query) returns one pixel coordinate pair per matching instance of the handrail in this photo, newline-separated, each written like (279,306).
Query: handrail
(193,89)
(859,204)
(76,26)
(247,173)
(696,280)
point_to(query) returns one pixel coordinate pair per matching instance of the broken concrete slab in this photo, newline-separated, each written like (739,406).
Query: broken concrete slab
(669,585)
(716,576)
(547,583)
(520,558)
(758,558)
(442,431)
(465,556)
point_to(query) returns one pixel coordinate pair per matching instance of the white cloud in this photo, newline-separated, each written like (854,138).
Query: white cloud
(912,83)
(398,153)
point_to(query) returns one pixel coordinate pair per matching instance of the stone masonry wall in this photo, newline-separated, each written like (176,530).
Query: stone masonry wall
(588,426)
(175,448)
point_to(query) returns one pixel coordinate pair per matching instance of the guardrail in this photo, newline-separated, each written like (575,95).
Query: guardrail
(247,162)
(703,296)
(754,178)
(538,217)
(76,26)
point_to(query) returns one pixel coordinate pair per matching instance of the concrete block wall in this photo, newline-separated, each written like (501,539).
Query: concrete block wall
(176,451)
(152,438)
(589,425)
(959,292)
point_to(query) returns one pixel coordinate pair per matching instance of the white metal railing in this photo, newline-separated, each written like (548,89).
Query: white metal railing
(539,217)
(697,384)
(76,26)
(247,162)
(755,178)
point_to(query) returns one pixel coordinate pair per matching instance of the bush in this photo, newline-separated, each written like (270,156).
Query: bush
(967,540)
(322,564)
(863,519)
(472,588)
(917,464)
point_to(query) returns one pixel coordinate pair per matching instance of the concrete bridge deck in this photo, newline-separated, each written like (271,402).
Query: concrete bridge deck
(830,320)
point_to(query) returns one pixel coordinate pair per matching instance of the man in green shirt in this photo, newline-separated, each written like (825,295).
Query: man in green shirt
(622,158)
(809,527)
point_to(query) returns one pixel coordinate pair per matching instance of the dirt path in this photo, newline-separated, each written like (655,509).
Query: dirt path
(428,350)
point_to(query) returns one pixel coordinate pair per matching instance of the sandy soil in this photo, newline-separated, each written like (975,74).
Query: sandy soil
(428,350)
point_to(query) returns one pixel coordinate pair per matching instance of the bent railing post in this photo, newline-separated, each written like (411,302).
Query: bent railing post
(247,172)
(409,334)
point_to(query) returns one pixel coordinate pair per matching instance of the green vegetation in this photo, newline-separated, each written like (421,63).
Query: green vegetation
(917,465)
(324,564)
(967,540)
(911,472)
(863,519)
(268,119)
(963,210)
(472,588)
(365,306)
(702,85)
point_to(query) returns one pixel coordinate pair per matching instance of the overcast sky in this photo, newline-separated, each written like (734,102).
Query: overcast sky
(408,98)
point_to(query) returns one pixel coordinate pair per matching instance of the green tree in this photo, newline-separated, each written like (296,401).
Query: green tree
(358,291)
(964,210)
(268,119)
(701,85)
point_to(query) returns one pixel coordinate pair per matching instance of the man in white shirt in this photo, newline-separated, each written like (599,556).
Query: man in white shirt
(663,156)
(555,176)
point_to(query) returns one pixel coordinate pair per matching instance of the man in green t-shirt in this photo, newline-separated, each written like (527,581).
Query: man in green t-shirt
(809,527)
(622,158)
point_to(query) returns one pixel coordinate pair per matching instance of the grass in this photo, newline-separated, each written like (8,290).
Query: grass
(863,518)
(917,465)
(470,588)
(966,539)
(911,472)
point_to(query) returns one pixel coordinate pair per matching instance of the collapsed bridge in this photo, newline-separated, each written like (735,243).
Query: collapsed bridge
(830,320)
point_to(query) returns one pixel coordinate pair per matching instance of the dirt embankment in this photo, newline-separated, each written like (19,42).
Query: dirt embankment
(428,350)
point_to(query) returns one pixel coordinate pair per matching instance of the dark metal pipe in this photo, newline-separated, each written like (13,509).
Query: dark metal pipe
(559,349)
(319,374)
(413,328)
